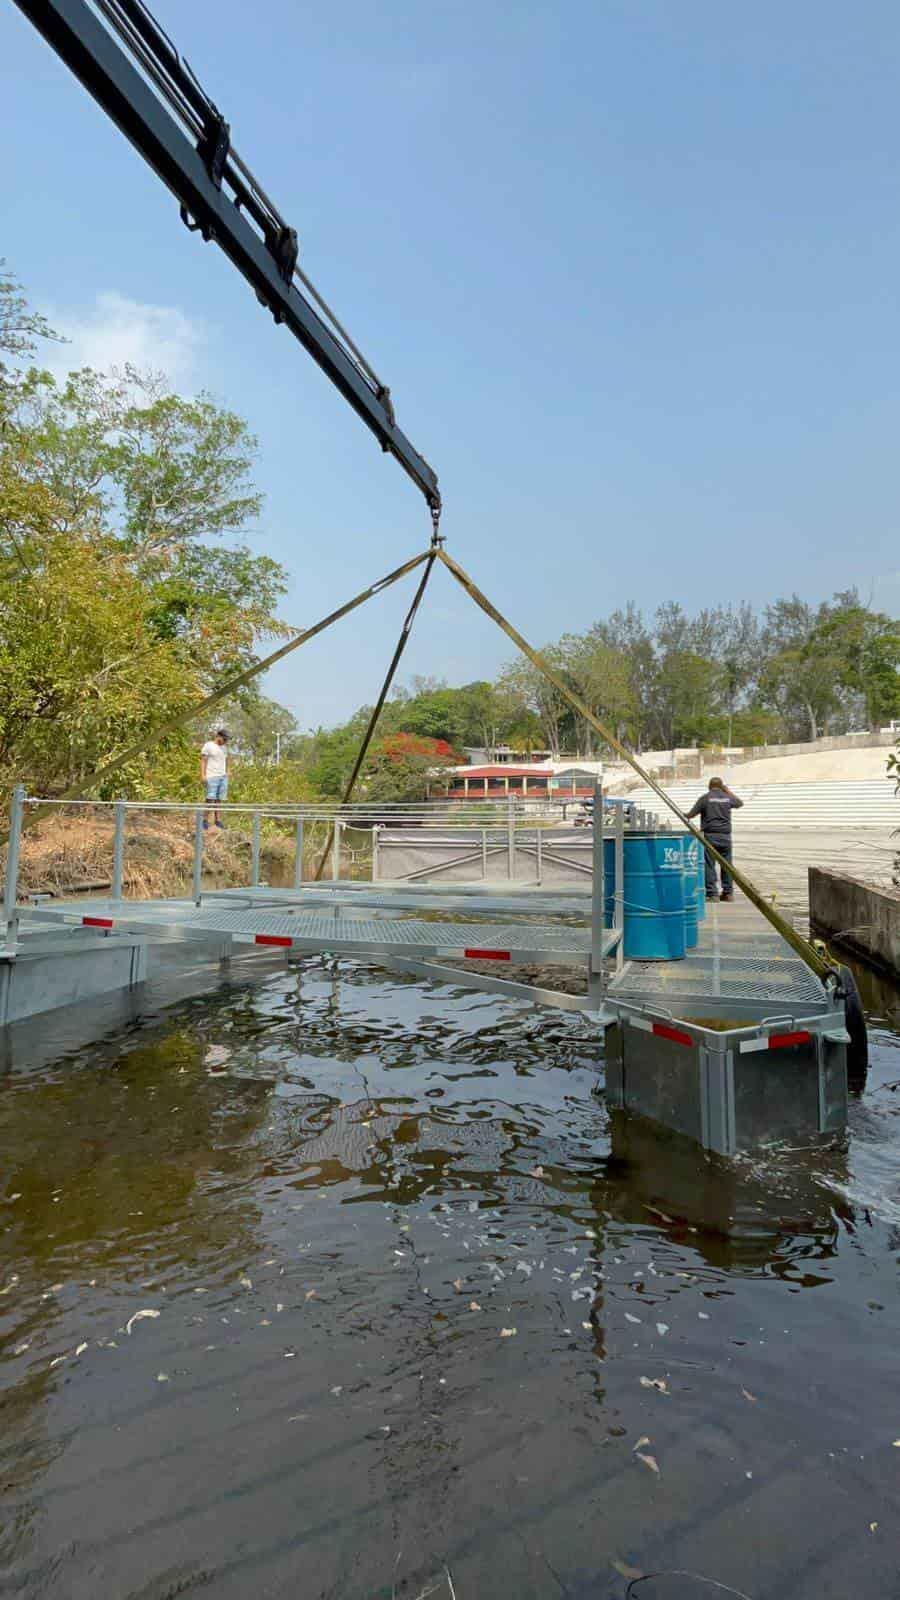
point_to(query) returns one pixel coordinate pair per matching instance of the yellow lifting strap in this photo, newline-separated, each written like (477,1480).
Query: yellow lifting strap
(803,948)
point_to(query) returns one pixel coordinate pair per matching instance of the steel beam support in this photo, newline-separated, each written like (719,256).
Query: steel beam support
(118,850)
(198,857)
(619,892)
(254,853)
(459,976)
(11,881)
(93,55)
(298,854)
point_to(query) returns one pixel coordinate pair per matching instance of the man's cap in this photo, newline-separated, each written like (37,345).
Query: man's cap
(222,733)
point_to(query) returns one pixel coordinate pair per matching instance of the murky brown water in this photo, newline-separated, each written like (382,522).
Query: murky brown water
(425,1319)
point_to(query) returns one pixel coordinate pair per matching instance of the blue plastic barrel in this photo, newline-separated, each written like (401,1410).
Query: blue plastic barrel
(693,881)
(701,881)
(654,897)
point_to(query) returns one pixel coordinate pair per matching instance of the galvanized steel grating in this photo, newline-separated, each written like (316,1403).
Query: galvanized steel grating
(331,930)
(733,979)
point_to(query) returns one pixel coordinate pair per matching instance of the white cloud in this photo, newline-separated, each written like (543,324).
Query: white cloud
(116,331)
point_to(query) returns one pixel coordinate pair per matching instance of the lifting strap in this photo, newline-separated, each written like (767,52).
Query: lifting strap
(379,704)
(801,946)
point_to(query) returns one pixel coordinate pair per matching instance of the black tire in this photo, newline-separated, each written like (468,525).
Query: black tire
(854,1017)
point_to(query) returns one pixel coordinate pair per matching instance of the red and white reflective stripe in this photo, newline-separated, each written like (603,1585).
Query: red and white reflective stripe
(677,1036)
(273,938)
(784,1041)
(486,955)
(776,1041)
(96,922)
(663,1030)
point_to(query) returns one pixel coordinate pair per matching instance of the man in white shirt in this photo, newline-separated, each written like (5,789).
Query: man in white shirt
(214,772)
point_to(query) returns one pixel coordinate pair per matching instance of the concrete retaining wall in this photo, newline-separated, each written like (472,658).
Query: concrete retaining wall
(863,918)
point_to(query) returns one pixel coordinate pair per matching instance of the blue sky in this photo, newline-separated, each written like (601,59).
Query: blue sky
(631,271)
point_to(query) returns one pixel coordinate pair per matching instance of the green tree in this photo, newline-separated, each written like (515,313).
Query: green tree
(20,329)
(256,725)
(865,646)
(114,608)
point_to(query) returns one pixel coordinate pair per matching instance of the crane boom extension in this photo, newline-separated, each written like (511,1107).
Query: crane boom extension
(265,254)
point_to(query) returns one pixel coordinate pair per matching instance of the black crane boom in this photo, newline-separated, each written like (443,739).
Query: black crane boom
(185,139)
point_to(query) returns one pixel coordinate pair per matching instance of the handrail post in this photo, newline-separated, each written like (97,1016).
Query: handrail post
(619,891)
(118,850)
(11,882)
(510,841)
(538,847)
(254,856)
(198,856)
(597,890)
(484,852)
(375,861)
(298,855)
(336,850)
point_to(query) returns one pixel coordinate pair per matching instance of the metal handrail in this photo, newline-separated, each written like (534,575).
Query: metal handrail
(510,818)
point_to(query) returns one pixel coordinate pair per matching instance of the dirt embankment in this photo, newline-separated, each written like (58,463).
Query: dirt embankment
(73,852)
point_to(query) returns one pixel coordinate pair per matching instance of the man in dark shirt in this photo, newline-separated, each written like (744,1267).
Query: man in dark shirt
(714,810)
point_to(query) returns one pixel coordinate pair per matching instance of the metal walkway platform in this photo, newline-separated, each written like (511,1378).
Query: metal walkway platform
(739,970)
(220,921)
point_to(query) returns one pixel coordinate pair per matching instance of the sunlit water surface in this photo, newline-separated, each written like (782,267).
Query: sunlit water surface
(341,1285)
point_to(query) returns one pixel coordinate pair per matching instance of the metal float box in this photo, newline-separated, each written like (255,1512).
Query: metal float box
(730,1088)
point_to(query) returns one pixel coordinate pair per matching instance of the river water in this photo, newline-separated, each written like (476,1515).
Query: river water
(334,1284)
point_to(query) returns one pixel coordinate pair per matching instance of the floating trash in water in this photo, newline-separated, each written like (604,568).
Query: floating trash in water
(655,1383)
(474,1306)
(630,1318)
(246,1283)
(80,1349)
(662,1328)
(139,1317)
(625,1571)
(508,1333)
(649,1461)
(162,1377)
